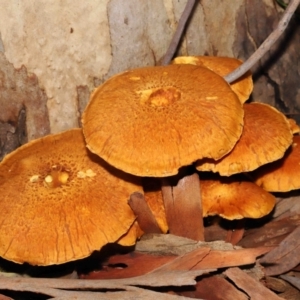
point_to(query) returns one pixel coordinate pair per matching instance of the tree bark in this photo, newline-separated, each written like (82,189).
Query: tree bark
(54,54)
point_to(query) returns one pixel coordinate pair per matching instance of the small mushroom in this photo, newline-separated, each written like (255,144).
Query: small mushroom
(234,199)
(59,202)
(265,138)
(281,175)
(222,66)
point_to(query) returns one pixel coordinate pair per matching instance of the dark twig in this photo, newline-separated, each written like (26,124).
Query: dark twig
(266,45)
(179,30)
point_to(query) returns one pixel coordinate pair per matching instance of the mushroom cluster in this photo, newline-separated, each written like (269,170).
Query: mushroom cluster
(186,114)
(66,195)
(153,121)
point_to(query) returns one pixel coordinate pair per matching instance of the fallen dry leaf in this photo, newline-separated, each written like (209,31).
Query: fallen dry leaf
(287,206)
(206,289)
(271,234)
(187,261)
(2,297)
(251,286)
(128,294)
(295,281)
(275,284)
(166,244)
(65,288)
(283,288)
(135,264)
(230,258)
(284,257)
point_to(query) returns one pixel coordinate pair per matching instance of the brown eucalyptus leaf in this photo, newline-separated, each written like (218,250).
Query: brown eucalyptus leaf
(206,289)
(251,286)
(284,257)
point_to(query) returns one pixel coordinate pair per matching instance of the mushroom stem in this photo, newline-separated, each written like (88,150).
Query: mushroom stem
(266,45)
(183,207)
(145,218)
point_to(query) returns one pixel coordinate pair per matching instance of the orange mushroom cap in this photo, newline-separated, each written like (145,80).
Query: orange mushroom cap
(152,121)
(294,126)
(59,202)
(130,237)
(281,175)
(222,66)
(265,138)
(235,199)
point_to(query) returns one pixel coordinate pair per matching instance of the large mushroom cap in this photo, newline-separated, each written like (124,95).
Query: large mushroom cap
(152,121)
(265,138)
(59,202)
(222,66)
(235,199)
(281,175)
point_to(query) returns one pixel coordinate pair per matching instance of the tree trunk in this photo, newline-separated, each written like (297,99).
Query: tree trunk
(53,54)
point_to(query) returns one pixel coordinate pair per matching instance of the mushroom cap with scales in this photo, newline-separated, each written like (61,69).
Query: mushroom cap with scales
(59,202)
(222,66)
(281,175)
(265,138)
(152,121)
(294,126)
(234,199)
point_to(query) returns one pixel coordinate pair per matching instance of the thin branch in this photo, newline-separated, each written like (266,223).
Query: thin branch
(266,45)
(178,33)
